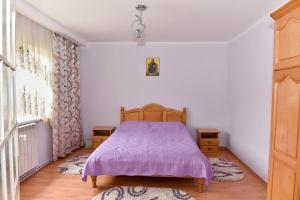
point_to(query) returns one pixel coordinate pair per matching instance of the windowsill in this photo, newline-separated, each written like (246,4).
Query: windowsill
(23,123)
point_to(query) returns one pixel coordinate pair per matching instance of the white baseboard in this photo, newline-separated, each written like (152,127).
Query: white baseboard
(33,171)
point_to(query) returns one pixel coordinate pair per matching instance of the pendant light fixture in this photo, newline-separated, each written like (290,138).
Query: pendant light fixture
(138,25)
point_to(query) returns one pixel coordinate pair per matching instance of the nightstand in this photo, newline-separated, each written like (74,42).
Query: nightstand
(100,134)
(208,140)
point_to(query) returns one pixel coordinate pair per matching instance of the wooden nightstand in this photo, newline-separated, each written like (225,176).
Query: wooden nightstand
(100,134)
(208,140)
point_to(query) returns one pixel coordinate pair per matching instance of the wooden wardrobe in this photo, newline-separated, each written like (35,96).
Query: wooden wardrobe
(284,166)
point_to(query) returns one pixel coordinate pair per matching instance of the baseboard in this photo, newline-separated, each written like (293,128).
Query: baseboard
(223,149)
(33,171)
(46,163)
(227,149)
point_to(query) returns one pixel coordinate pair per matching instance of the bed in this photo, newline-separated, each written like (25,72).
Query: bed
(151,141)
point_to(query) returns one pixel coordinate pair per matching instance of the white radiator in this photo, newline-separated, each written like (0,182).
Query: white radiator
(28,162)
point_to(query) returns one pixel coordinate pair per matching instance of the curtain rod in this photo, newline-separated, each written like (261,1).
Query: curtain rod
(70,38)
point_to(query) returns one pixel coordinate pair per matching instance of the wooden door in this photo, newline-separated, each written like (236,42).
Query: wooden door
(287,37)
(298,170)
(284,155)
(284,167)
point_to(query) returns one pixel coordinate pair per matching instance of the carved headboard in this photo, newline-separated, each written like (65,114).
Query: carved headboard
(154,113)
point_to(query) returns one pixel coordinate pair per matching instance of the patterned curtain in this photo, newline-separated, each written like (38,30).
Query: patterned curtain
(66,97)
(34,62)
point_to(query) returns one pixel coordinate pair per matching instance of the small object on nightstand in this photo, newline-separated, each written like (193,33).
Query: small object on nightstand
(208,140)
(100,134)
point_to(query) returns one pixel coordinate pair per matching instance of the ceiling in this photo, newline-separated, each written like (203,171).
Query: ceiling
(166,20)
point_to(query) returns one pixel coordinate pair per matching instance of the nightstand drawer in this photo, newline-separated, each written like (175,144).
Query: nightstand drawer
(213,142)
(99,139)
(209,149)
(95,145)
(102,132)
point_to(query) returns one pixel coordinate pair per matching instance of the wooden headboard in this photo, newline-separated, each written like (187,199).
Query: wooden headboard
(154,113)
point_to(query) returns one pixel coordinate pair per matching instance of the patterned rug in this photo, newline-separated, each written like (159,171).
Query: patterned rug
(225,170)
(73,166)
(142,193)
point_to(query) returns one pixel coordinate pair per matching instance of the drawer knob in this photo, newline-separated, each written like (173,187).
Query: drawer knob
(209,142)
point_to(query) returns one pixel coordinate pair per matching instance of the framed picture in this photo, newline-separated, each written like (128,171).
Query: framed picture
(152,66)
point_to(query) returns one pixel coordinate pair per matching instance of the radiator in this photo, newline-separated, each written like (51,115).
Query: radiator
(28,160)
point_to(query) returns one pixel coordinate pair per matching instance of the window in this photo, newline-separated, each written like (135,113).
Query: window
(33,61)
(9,184)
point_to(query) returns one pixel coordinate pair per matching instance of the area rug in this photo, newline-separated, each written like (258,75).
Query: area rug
(225,170)
(73,166)
(142,193)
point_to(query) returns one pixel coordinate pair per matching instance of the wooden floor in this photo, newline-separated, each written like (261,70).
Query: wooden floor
(48,184)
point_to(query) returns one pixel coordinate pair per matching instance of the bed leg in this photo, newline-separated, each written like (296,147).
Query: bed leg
(200,184)
(94,181)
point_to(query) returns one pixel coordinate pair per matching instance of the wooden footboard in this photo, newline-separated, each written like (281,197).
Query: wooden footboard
(200,182)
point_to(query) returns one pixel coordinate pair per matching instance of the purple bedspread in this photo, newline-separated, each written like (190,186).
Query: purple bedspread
(148,148)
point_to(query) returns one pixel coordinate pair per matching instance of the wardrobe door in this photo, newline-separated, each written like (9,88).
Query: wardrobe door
(283,184)
(287,34)
(298,172)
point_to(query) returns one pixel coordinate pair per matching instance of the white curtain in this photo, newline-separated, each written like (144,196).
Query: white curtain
(48,83)
(34,68)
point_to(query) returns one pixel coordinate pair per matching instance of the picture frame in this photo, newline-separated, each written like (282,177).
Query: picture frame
(152,66)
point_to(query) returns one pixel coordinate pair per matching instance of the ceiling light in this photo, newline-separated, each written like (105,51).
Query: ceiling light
(138,25)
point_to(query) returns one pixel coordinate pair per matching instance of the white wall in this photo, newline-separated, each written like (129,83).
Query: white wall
(191,75)
(250,89)
(227,86)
